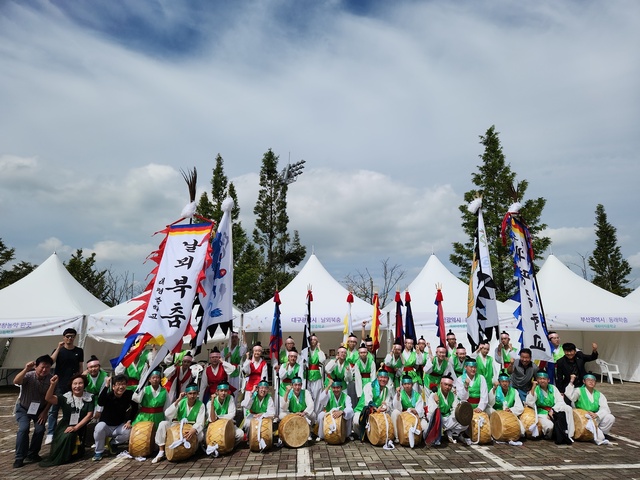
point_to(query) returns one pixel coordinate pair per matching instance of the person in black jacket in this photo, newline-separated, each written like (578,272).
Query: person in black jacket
(573,364)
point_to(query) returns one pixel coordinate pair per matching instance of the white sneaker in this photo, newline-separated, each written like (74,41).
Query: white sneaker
(48,440)
(158,457)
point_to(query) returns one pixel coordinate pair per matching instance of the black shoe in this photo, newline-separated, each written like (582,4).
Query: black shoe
(33,457)
(18,463)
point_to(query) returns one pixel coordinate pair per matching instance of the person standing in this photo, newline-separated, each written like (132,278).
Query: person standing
(572,363)
(68,360)
(34,381)
(233,354)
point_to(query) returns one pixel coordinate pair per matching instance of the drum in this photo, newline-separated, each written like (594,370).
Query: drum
(407,421)
(335,433)
(141,439)
(580,420)
(504,426)
(480,428)
(528,418)
(222,432)
(293,430)
(260,430)
(380,429)
(180,452)
(464,413)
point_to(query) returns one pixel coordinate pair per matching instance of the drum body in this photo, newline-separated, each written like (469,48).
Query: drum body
(180,452)
(222,432)
(293,430)
(528,418)
(504,426)
(464,413)
(141,439)
(335,436)
(580,421)
(480,428)
(380,429)
(407,421)
(260,430)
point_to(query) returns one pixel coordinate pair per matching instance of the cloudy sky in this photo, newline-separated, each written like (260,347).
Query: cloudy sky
(102,102)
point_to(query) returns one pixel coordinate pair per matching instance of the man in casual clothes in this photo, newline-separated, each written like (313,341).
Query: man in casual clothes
(34,382)
(572,363)
(118,412)
(69,360)
(522,371)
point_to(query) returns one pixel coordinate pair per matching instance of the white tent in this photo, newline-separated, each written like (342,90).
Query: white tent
(328,308)
(35,311)
(634,296)
(582,313)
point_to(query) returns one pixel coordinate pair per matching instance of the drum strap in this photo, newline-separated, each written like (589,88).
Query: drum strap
(261,443)
(181,440)
(414,431)
(480,421)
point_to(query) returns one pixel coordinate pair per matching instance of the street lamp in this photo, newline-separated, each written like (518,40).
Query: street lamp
(291,172)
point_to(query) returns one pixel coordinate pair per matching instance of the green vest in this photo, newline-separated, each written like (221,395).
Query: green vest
(501,399)
(458,367)
(94,388)
(295,372)
(436,373)
(134,371)
(365,369)
(297,405)
(221,408)
(193,414)
(411,362)
(352,356)
(259,406)
(584,403)
(407,402)
(474,387)
(234,359)
(485,368)
(150,401)
(378,395)
(445,404)
(340,404)
(314,359)
(543,401)
(338,373)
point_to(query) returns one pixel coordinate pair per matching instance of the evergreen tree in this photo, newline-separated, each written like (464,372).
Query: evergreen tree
(83,270)
(609,268)
(18,271)
(494,180)
(271,235)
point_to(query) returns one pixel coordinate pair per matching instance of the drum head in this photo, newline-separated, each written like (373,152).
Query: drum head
(464,413)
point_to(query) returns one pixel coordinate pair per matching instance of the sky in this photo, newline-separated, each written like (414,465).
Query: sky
(104,102)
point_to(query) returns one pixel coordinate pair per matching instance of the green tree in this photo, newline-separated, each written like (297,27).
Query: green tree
(18,271)
(609,268)
(495,181)
(84,271)
(279,251)
(246,257)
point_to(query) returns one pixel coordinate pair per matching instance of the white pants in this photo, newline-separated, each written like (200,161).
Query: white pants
(119,434)
(315,388)
(547,423)
(451,426)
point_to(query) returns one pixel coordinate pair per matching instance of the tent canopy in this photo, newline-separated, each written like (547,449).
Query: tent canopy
(634,296)
(328,308)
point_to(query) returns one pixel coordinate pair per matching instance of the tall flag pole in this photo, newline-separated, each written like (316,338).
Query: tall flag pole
(217,297)
(275,340)
(399,329)
(529,313)
(440,315)
(375,323)
(410,328)
(482,308)
(307,325)
(348,320)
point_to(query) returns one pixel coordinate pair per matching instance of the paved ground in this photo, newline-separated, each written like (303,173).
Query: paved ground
(533,460)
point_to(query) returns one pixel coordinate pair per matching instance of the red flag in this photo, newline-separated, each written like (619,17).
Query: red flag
(440,317)
(375,323)
(399,329)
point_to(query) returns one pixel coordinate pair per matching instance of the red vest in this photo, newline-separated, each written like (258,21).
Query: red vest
(255,376)
(216,379)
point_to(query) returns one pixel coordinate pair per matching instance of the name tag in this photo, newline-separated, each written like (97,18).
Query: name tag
(75,418)
(33,408)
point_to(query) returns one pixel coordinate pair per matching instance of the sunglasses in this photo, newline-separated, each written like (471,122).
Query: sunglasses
(69,336)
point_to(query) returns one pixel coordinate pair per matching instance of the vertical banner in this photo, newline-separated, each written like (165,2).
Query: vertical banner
(409,325)
(375,323)
(440,326)
(275,340)
(348,320)
(399,329)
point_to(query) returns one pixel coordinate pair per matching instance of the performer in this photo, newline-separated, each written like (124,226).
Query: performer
(352,358)
(222,405)
(548,399)
(298,401)
(337,404)
(377,397)
(411,360)
(234,354)
(594,402)
(364,370)
(505,353)
(217,372)
(504,397)
(393,363)
(34,381)
(557,352)
(421,353)
(409,400)
(152,400)
(458,360)
(314,358)
(522,371)
(178,375)
(472,388)
(96,378)
(436,367)
(446,402)
(255,368)
(289,370)
(134,371)
(452,343)
(188,407)
(258,403)
(487,367)
(289,344)
(338,368)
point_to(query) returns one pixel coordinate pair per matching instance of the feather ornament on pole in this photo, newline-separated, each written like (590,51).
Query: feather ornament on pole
(410,328)
(441,329)
(348,321)
(399,329)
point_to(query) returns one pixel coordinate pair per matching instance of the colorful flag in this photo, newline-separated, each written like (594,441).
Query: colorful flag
(165,315)
(217,296)
(409,328)
(375,323)
(482,308)
(399,329)
(529,313)
(307,325)
(348,321)
(275,341)
(440,317)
